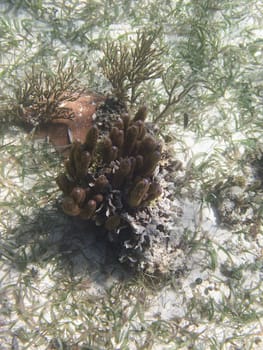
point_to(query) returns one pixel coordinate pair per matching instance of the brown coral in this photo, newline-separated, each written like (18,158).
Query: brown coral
(113,175)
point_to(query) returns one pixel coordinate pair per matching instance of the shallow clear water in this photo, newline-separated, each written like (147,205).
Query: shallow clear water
(60,293)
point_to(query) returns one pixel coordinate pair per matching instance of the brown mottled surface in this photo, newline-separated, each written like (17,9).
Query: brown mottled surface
(61,132)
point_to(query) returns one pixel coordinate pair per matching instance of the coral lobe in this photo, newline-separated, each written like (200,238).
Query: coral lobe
(109,176)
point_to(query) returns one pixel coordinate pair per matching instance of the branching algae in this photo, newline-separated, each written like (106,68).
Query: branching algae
(40,96)
(128,66)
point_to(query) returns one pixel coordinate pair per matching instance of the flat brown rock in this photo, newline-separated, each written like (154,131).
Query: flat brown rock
(62,132)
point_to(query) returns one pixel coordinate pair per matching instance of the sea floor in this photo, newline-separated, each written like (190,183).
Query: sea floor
(60,285)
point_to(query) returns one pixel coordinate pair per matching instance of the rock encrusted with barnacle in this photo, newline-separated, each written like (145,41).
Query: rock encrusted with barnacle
(111,179)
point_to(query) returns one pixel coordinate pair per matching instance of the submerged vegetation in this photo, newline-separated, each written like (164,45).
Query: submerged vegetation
(38,98)
(204,94)
(128,64)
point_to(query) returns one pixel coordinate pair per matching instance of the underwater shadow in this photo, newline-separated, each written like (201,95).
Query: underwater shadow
(77,248)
